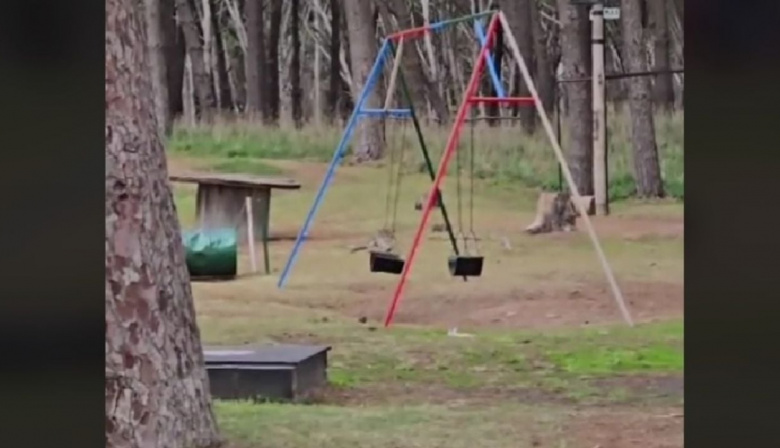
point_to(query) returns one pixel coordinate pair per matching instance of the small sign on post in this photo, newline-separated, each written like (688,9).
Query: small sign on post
(612,13)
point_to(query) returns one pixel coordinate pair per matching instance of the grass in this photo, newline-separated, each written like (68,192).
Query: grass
(247,166)
(503,358)
(501,157)
(566,365)
(511,384)
(281,426)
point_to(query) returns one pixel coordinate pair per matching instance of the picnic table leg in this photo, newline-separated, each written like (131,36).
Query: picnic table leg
(265,221)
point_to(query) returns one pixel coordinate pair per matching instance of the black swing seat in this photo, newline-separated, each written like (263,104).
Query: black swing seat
(386,262)
(465,265)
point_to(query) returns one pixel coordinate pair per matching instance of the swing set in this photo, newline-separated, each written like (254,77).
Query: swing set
(468,262)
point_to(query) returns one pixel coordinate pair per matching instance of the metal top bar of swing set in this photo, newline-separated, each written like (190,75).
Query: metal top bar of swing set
(413,33)
(505,100)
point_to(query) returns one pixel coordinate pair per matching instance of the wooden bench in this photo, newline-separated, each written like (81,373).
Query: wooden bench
(221,199)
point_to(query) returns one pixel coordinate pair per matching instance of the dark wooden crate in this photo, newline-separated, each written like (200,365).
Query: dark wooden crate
(274,372)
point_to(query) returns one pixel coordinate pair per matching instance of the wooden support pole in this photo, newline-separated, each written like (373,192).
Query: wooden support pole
(394,74)
(250,234)
(578,202)
(600,187)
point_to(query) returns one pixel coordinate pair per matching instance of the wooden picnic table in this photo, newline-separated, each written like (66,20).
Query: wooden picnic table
(221,200)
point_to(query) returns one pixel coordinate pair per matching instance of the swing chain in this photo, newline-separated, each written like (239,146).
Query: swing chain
(391,164)
(459,194)
(471,188)
(387,233)
(399,172)
(472,235)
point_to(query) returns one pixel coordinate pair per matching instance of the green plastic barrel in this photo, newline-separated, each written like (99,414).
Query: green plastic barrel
(211,253)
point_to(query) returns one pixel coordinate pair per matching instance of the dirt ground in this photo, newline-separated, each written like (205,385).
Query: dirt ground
(637,389)
(626,428)
(586,303)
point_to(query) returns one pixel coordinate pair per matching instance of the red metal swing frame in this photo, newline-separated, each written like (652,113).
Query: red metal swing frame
(469,99)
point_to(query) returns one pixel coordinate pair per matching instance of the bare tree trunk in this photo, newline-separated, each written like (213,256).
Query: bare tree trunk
(576,61)
(314,83)
(677,56)
(236,54)
(646,165)
(362,47)
(518,14)
(218,25)
(192,39)
(617,90)
(255,66)
(663,87)
(296,95)
(156,389)
(238,73)
(156,41)
(545,78)
(188,94)
(175,51)
(679,6)
(346,105)
(273,67)
(334,84)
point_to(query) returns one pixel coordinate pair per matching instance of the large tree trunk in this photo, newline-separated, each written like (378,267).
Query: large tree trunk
(518,14)
(334,80)
(663,87)
(218,24)
(175,51)
(575,59)
(156,390)
(255,67)
(647,169)
(273,68)
(361,28)
(157,46)
(545,78)
(296,96)
(192,38)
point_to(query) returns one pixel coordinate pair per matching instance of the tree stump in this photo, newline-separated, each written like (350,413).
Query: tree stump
(556,212)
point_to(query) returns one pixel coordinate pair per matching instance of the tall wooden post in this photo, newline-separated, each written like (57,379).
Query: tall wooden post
(600,186)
